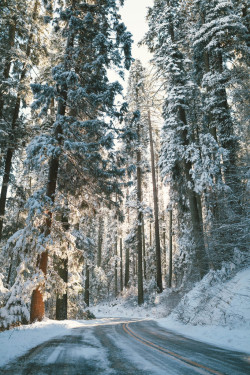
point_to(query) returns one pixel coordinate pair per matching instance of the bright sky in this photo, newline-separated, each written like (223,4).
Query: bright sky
(134,16)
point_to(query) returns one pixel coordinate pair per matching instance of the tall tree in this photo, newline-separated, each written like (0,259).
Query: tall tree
(93,38)
(17,41)
(177,132)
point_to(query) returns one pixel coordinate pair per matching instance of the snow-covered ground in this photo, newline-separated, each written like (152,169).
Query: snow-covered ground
(18,341)
(214,311)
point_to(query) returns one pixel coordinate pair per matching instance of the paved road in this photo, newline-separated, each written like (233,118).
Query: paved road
(121,347)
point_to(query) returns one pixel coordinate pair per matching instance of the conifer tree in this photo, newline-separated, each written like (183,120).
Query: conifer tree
(22,39)
(82,136)
(162,39)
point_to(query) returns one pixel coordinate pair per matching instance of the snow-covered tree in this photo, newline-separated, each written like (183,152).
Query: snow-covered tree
(81,137)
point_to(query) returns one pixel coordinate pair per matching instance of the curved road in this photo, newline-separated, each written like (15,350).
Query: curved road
(121,346)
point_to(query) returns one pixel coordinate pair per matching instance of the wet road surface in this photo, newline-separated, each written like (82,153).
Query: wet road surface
(123,346)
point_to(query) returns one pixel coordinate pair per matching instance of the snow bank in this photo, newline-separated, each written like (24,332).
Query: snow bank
(18,341)
(215,312)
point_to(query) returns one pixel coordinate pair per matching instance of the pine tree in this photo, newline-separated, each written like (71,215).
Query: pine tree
(82,136)
(162,39)
(216,52)
(14,72)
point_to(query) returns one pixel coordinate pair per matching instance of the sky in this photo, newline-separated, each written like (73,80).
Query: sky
(134,16)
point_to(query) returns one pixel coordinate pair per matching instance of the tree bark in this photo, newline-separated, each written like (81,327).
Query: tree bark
(62,301)
(62,270)
(156,210)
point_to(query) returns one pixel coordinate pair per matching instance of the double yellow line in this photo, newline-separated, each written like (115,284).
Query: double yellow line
(168,352)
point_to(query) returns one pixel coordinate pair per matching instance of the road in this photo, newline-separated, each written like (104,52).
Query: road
(123,346)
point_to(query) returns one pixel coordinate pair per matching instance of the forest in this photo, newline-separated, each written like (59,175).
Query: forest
(112,185)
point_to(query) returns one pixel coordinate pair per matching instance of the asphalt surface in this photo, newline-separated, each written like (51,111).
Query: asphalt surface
(122,346)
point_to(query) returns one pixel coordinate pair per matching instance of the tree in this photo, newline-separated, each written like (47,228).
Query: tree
(10,105)
(219,55)
(177,132)
(94,39)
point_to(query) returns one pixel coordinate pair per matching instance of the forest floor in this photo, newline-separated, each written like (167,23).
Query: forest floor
(215,311)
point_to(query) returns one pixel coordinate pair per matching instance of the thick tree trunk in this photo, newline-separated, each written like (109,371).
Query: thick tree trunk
(62,301)
(156,210)
(62,270)
(197,224)
(37,309)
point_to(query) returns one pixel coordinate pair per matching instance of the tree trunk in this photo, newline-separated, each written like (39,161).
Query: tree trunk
(170,249)
(144,251)
(37,303)
(62,301)
(6,70)
(37,309)
(156,210)
(62,270)
(86,288)
(99,249)
(121,266)
(126,268)
(116,266)
(139,226)
(198,235)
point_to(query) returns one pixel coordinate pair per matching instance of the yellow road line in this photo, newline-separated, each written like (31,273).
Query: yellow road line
(168,352)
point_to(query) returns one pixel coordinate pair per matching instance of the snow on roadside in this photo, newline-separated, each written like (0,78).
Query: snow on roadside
(232,339)
(215,312)
(18,341)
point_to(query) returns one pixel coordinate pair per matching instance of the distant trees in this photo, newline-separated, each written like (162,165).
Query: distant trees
(142,153)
